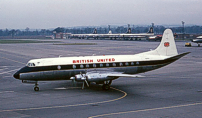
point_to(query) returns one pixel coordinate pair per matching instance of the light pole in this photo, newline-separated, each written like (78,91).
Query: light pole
(183,29)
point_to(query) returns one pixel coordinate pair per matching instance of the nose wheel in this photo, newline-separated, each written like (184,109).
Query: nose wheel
(36,88)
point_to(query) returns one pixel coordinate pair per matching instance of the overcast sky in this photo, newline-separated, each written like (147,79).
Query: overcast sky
(37,14)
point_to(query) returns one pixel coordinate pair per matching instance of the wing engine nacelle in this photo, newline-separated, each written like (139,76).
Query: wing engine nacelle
(96,77)
(80,77)
(93,77)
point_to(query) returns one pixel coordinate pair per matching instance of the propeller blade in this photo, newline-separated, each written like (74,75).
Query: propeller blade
(86,82)
(83,85)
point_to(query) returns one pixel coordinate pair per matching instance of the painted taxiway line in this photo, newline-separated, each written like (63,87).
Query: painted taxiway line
(144,110)
(6,92)
(6,76)
(9,71)
(13,60)
(4,51)
(75,105)
(63,88)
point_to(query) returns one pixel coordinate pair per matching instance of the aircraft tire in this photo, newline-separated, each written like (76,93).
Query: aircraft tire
(36,88)
(106,87)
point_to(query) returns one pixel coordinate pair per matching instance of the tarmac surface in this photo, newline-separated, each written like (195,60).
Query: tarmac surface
(172,91)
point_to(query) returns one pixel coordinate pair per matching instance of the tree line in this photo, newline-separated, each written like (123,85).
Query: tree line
(195,29)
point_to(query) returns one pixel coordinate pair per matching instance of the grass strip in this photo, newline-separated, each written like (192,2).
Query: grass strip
(24,41)
(75,44)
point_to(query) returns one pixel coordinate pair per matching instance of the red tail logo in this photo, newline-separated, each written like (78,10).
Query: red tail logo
(166,44)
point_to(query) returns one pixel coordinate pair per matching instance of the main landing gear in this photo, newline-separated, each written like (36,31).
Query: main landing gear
(36,88)
(106,85)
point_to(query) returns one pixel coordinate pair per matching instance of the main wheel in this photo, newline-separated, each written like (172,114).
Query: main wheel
(36,88)
(106,87)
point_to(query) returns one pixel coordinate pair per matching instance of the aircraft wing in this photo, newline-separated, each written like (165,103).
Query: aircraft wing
(105,74)
(124,75)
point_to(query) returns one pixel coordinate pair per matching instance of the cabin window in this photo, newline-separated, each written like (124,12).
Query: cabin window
(74,66)
(120,64)
(107,65)
(81,66)
(114,64)
(126,64)
(132,63)
(87,66)
(94,65)
(101,65)
(59,67)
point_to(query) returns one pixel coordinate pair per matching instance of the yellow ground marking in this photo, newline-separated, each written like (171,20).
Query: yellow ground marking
(143,110)
(52,107)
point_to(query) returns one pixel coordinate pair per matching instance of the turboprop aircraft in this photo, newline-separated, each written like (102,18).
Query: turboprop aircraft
(127,35)
(100,69)
(198,40)
(82,36)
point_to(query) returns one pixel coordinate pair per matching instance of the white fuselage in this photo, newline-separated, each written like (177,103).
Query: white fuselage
(63,68)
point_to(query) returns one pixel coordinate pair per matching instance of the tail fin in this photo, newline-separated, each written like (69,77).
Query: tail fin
(129,31)
(110,32)
(95,31)
(151,30)
(167,46)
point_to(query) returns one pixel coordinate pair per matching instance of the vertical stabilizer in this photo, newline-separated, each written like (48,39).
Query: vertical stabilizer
(167,46)
(110,32)
(95,31)
(151,30)
(129,31)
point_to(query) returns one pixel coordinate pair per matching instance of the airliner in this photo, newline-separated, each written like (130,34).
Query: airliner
(100,69)
(198,40)
(127,35)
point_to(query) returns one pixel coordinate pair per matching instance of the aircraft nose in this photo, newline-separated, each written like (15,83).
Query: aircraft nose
(16,75)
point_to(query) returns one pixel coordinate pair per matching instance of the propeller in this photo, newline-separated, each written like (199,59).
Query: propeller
(84,80)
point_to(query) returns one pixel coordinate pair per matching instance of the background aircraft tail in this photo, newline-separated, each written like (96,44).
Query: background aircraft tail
(95,31)
(110,32)
(167,47)
(151,30)
(129,31)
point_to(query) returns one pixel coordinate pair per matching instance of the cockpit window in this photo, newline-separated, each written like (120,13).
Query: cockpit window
(30,64)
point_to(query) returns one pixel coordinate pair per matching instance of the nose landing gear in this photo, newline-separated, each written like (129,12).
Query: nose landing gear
(36,88)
